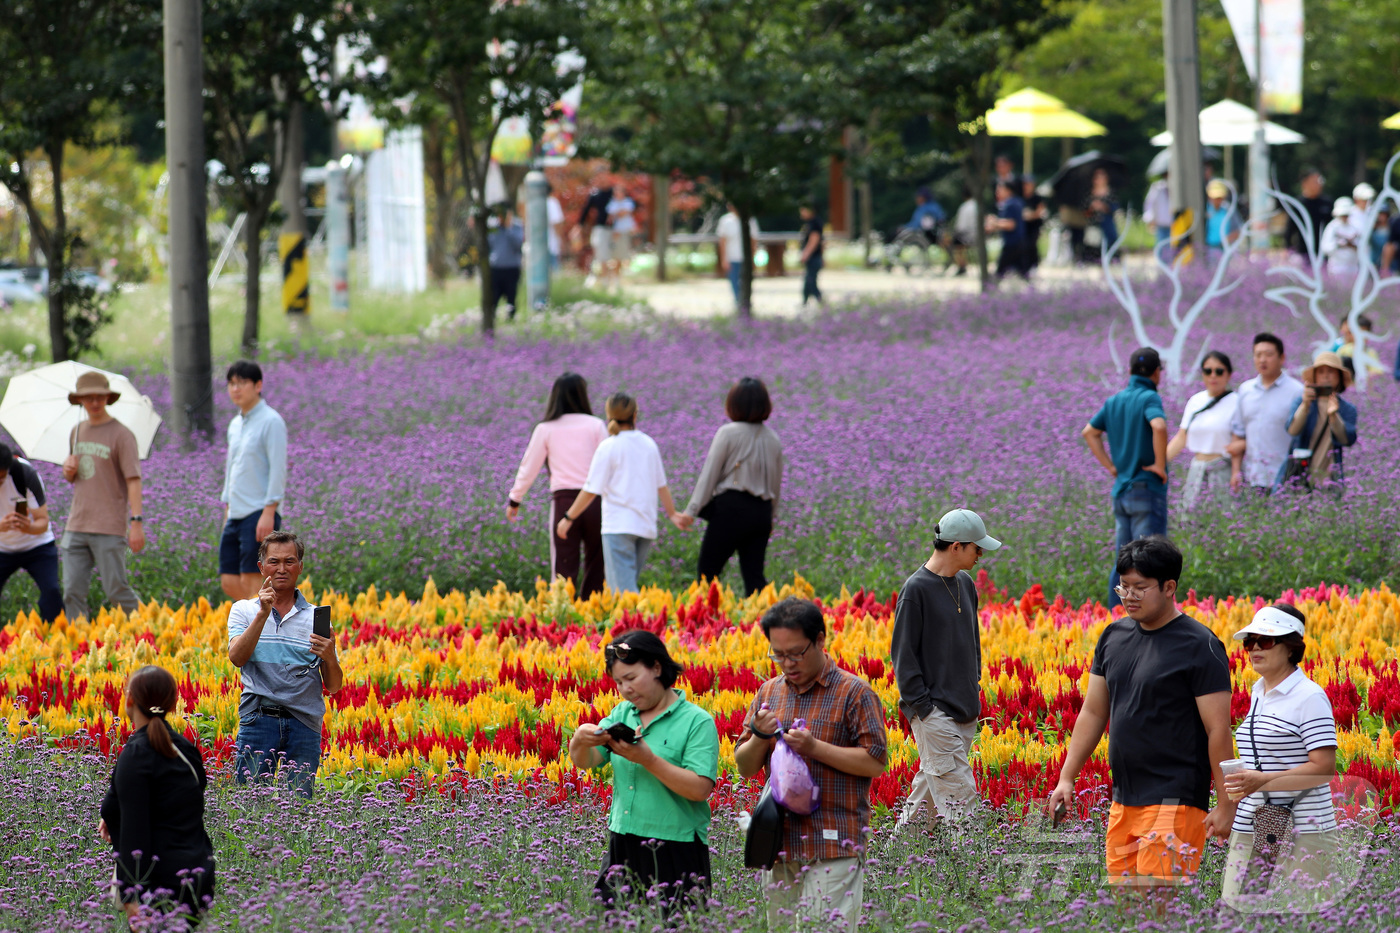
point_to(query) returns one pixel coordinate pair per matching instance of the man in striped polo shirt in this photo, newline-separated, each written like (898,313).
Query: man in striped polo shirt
(285,667)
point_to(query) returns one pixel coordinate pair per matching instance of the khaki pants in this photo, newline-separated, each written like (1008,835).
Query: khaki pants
(81,553)
(803,895)
(944,778)
(1299,876)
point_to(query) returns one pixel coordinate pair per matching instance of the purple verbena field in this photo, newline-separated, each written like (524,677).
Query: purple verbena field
(891,414)
(505,859)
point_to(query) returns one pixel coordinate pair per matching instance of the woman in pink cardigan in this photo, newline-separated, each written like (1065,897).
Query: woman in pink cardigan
(564,443)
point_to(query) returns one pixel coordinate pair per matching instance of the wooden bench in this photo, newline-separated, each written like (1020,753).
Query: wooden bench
(766,240)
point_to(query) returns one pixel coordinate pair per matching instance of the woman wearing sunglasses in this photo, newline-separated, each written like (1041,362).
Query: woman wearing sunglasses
(1205,431)
(665,756)
(1288,743)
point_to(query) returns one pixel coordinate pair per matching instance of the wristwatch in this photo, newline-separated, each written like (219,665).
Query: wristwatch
(134,518)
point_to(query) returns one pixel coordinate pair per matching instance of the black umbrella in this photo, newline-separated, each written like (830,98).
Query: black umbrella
(1075,179)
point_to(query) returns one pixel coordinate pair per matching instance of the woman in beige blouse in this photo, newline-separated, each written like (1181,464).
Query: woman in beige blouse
(737,491)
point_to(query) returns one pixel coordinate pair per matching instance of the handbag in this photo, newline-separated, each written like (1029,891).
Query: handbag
(1273,822)
(1300,468)
(763,839)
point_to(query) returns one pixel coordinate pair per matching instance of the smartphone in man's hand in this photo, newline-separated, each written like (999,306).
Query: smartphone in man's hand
(21,507)
(321,621)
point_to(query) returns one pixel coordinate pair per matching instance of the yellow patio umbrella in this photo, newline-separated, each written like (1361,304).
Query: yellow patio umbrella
(1392,122)
(1033,114)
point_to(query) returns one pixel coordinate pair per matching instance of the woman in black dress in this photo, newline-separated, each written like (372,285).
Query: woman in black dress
(155,807)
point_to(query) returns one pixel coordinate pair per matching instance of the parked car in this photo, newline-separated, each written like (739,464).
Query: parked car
(16,287)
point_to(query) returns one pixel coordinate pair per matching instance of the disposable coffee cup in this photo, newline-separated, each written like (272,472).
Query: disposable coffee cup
(1233,766)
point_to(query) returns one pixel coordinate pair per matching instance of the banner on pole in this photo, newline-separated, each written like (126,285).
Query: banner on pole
(1281,28)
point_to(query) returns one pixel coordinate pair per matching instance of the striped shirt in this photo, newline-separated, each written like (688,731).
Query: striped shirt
(840,708)
(1288,721)
(283,670)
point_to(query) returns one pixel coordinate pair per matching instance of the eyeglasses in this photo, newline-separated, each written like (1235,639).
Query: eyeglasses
(1214,370)
(1125,592)
(621,652)
(1262,642)
(791,657)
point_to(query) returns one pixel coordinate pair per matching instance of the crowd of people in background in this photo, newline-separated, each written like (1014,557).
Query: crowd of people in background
(606,480)
(1273,433)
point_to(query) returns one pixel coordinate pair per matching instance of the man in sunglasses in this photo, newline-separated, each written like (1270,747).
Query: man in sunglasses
(937,653)
(843,742)
(1160,683)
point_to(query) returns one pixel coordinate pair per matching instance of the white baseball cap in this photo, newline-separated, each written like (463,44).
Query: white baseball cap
(1363,192)
(1271,620)
(963,526)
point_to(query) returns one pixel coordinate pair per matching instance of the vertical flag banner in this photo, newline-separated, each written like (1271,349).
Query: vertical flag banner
(1281,27)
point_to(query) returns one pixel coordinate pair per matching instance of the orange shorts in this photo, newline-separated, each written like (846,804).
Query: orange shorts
(1159,845)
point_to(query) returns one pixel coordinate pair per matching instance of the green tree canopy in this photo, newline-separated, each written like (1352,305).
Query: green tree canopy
(69,66)
(483,61)
(260,57)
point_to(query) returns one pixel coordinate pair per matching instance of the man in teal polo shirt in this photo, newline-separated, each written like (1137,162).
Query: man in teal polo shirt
(664,752)
(1136,427)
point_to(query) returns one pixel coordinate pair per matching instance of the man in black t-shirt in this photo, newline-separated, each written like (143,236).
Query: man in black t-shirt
(811,239)
(1160,682)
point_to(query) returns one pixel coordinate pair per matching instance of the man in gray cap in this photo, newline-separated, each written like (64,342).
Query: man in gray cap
(937,655)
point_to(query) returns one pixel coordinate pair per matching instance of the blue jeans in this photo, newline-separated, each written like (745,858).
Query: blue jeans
(736,272)
(269,743)
(623,557)
(41,563)
(1139,511)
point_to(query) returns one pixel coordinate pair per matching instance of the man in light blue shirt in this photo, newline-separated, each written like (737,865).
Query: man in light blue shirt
(255,479)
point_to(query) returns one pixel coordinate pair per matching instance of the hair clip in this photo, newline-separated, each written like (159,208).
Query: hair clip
(157,711)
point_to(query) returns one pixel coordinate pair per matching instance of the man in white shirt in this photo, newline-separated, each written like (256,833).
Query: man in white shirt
(1260,425)
(731,248)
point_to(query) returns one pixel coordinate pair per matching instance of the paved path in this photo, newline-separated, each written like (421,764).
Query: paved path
(780,297)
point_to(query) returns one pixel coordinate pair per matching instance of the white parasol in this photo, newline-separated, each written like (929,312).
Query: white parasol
(38,415)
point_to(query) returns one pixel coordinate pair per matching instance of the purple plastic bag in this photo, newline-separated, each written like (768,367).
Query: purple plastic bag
(790,779)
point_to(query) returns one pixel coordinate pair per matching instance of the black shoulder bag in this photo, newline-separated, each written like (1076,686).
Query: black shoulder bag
(1273,822)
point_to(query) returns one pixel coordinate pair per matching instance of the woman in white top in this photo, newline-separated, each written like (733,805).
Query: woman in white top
(627,474)
(564,444)
(1205,431)
(1288,743)
(1341,239)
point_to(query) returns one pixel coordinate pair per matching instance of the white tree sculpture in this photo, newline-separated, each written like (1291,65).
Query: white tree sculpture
(1311,285)
(1121,285)
(1368,284)
(1308,284)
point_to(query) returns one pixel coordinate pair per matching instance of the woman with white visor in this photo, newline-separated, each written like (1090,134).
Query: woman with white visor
(1284,837)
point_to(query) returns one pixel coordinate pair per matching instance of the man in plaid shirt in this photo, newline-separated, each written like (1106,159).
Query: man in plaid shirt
(821,868)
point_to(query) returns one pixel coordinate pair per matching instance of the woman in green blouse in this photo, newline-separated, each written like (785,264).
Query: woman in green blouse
(664,752)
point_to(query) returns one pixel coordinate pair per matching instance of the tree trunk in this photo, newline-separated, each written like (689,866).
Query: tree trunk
(436,165)
(57,257)
(746,271)
(483,264)
(661,219)
(252,291)
(977,169)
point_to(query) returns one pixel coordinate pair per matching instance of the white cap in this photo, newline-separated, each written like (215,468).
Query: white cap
(1271,621)
(1363,192)
(963,526)
(1342,207)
